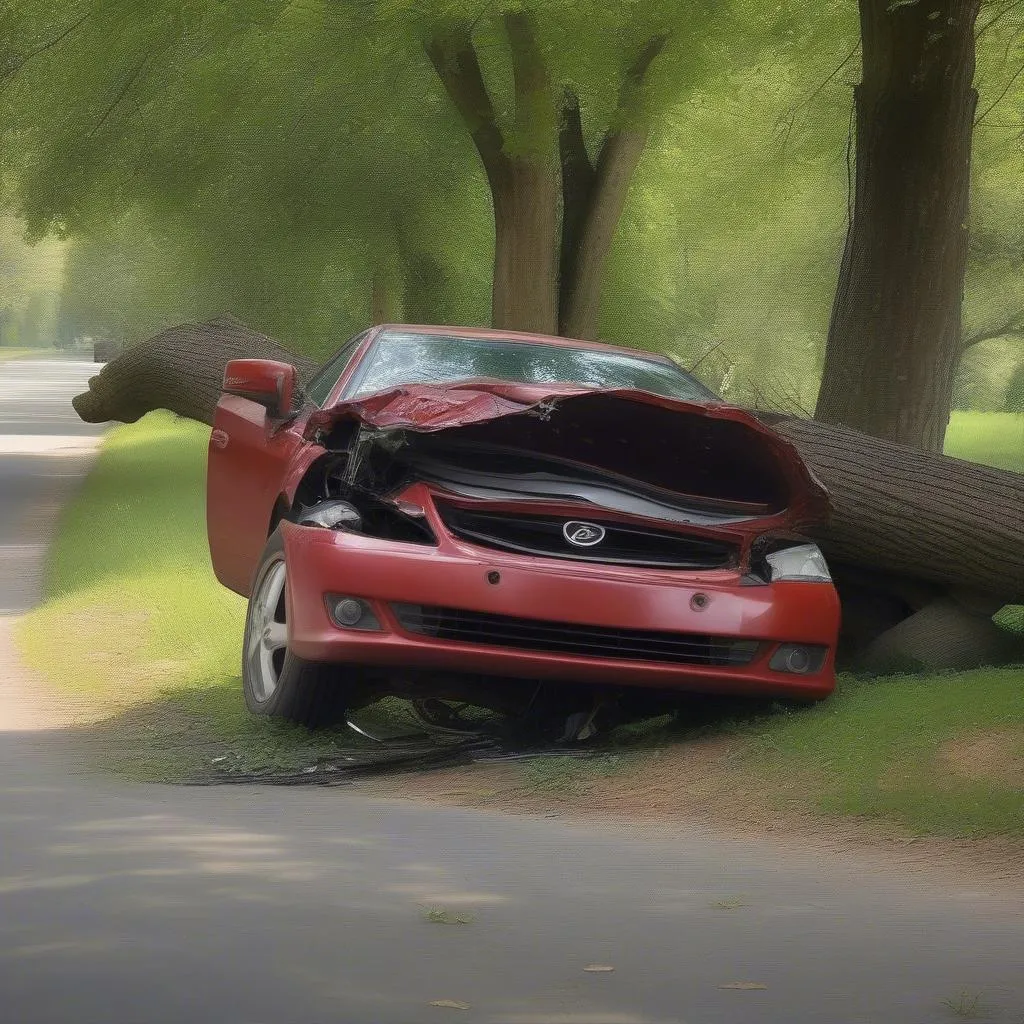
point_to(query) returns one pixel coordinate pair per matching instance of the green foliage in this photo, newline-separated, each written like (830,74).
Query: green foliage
(985,369)
(273,158)
(995,439)
(1015,391)
(30,283)
(270,158)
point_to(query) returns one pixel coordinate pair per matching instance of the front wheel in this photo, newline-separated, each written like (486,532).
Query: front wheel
(275,682)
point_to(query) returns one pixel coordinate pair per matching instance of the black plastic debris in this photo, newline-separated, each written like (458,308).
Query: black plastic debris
(490,741)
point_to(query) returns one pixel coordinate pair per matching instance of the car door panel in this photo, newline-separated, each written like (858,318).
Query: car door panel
(247,463)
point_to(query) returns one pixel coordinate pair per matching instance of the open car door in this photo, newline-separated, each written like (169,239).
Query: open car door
(251,446)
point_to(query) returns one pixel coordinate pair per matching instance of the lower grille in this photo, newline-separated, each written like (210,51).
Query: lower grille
(570,638)
(621,543)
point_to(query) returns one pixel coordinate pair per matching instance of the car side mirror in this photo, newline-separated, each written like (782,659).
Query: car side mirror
(272,384)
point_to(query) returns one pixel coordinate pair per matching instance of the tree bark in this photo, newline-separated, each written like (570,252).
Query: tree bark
(914,514)
(577,187)
(894,337)
(524,296)
(920,523)
(180,369)
(524,186)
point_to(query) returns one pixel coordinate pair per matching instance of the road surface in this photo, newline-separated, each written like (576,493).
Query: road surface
(140,904)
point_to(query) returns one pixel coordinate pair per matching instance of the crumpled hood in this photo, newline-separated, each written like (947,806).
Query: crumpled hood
(691,448)
(430,407)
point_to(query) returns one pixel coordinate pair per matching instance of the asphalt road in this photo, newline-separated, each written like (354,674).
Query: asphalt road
(132,904)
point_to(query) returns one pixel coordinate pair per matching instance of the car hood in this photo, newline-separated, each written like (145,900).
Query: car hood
(694,454)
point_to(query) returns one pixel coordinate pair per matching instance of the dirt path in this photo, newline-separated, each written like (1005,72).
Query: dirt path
(45,452)
(696,785)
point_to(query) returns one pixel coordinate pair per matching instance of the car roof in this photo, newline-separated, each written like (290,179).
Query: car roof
(493,334)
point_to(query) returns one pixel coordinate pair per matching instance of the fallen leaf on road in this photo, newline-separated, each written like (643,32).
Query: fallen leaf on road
(599,968)
(438,915)
(745,986)
(450,1004)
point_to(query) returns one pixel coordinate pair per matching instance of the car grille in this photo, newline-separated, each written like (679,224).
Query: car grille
(571,638)
(623,544)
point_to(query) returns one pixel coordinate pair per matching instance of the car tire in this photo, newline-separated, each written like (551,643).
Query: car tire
(275,682)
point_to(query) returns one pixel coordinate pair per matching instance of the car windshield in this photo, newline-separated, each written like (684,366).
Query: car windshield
(400,358)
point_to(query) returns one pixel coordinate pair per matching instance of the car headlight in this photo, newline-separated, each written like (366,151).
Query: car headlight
(803,562)
(333,514)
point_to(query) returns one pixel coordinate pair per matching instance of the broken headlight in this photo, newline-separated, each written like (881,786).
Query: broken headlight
(333,514)
(803,562)
(371,517)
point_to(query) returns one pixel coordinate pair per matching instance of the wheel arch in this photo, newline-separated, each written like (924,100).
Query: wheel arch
(280,511)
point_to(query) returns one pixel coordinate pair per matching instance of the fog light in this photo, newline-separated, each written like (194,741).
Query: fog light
(348,611)
(351,612)
(798,659)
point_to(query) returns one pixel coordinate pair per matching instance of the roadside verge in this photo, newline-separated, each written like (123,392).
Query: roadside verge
(135,622)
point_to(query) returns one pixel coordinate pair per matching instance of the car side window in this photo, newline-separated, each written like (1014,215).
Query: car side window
(323,382)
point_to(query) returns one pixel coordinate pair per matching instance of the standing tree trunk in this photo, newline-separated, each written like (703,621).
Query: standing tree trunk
(555,212)
(894,338)
(525,185)
(525,295)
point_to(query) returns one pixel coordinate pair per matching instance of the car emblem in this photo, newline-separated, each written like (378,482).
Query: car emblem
(583,535)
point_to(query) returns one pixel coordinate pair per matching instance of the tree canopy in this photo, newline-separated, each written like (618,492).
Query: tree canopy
(306,165)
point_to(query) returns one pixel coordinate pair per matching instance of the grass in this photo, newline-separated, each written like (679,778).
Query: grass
(7,354)
(134,617)
(994,438)
(881,749)
(438,915)
(572,776)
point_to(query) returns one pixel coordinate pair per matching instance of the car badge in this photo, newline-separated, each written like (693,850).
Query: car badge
(583,535)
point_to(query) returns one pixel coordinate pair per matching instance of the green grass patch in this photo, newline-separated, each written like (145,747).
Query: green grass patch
(904,748)
(7,354)
(129,583)
(134,616)
(993,438)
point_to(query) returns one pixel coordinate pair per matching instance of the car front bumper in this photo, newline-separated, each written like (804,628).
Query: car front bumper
(456,575)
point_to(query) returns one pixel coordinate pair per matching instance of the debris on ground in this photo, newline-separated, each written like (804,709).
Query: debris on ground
(487,740)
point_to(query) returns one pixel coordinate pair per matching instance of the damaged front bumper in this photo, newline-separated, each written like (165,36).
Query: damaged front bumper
(455,607)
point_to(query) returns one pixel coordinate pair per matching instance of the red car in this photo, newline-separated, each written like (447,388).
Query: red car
(455,512)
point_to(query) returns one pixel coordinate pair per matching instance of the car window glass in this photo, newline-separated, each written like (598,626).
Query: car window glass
(398,359)
(323,382)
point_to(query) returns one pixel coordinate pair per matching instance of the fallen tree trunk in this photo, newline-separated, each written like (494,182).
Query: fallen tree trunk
(908,529)
(912,513)
(180,369)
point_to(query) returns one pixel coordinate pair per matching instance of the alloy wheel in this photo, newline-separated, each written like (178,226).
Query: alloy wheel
(268,632)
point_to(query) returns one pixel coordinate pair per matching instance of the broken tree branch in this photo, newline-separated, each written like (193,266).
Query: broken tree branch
(1014,327)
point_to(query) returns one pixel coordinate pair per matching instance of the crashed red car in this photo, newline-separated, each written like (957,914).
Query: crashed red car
(444,510)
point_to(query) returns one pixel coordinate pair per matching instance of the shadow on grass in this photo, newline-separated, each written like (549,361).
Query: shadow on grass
(191,732)
(878,750)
